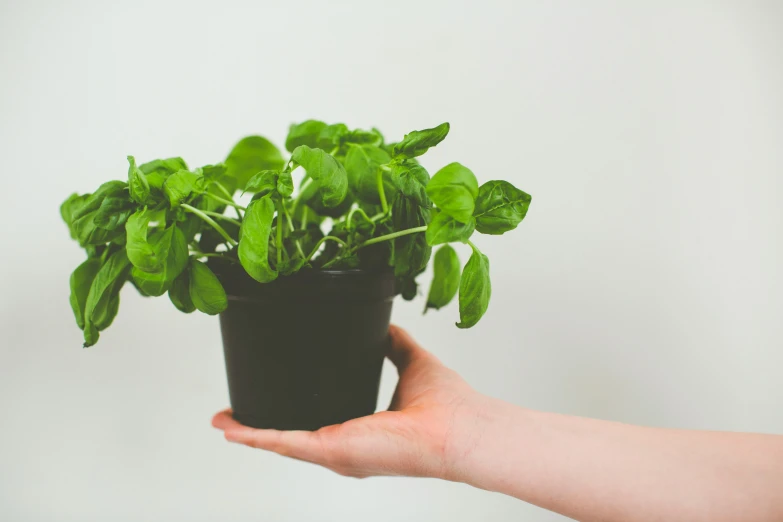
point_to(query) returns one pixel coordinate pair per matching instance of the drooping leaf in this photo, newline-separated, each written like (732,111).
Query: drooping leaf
(171,249)
(138,185)
(179,293)
(454,189)
(475,290)
(140,251)
(93,201)
(411,252)
(445,229)
(445,278)
(113,213)
(500,207)
(251,155)
(363,165)
(327,171)
(411,179)
(179,186)
(206,292)
(99,306)
(68,208)
(254,233)
(416,143)
(81,281)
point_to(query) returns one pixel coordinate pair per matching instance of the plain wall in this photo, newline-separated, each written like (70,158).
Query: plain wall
(645,285)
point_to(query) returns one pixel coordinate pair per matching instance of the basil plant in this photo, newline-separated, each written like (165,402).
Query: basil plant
(157,228)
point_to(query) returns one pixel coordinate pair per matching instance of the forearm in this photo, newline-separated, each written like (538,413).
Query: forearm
(597,470)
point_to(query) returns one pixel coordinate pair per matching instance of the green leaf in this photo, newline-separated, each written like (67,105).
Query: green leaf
(137,182)
(411,252)
(474,290)
(251,155)
(206,292)
(363,137)
(179,293)
(416,143)
(289,266)
(81,281)
(445,278)
(305,133)
(327,171)
(454,189)
(409,289)
(157,171)
(285,184)
(254,240)
(91,202)
(445,229)
(140,251)
(103,298)
(171,249)
(362,164)
(500,207)
(68,206)
(113,213)
(328,138)
(179,186)
(263,183)
(411,179)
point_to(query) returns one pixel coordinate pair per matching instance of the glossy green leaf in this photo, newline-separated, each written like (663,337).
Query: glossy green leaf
(138,185)
(92,202)
(475,290)
(327,171)
(179,186)
(328,138)
(171,248)
(362,165)
(100,305)
(81,281)
(140,251)
(363,137)
(500,207)
(285,184)
(305,133)
(411,180)
(454,189)
(206,292)
(250,156)
(445,278)
(179,293)
(113,213)
(254,233)
(263,182)
(411,252)
(416,143)
(445,229)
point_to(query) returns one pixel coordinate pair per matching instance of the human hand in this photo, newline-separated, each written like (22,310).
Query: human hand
(420,435)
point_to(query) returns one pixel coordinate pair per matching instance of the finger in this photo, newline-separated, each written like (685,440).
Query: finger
(302,445)
(403,349)
(223,419)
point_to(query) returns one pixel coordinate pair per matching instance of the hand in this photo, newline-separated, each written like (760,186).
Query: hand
(418,436)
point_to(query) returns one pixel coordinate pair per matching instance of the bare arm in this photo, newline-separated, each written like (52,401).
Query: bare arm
(587,469)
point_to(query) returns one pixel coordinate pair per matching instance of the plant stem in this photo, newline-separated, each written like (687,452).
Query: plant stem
(352,212)
(474,247)
(291,226)
(321,242)
(381,192)
(224,201)
(221,216)
(211,221)
(304,218)
(279,239)
(393,235)
(302,187)
(228,194)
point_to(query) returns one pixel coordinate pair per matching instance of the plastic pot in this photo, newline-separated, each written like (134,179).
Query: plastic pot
(305,351)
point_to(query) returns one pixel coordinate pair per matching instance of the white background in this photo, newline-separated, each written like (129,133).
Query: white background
(645,285)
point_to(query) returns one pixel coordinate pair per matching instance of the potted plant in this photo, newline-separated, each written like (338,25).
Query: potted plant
(304,281)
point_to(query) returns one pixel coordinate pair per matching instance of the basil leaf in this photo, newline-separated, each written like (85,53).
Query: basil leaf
(98,306)
(171,249)
(206,292)
(263,183)
(163,167)
(328,138)
(179,186)
(411,179)
(454,189)
(363,137)
(327,171)
(285,184)
(445,229)
(416,143)
(305,133)
(179,293)
(137,182)
(411,252)
(409,289)
(140,251)
(474,290)
(445,278)
(362,164)
(113,213)
(91,202)
(251,155)
(81,281)
(500,207)
(254,233)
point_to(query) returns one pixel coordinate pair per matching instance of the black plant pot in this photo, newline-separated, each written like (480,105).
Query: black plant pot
(305,351)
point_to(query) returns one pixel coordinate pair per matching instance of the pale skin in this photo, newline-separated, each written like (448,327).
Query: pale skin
(591,470)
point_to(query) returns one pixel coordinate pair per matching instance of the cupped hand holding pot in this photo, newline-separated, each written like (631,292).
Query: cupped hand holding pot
(438,426)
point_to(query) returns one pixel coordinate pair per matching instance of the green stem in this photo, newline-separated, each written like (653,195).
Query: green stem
(279,239)
(321,242)
(303,186)
(221,216)
(224,201)
(290,222)
(352,212)
(304,218)
(228,194)
(393,235)
(210,221)
(381,192)
(474,247)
